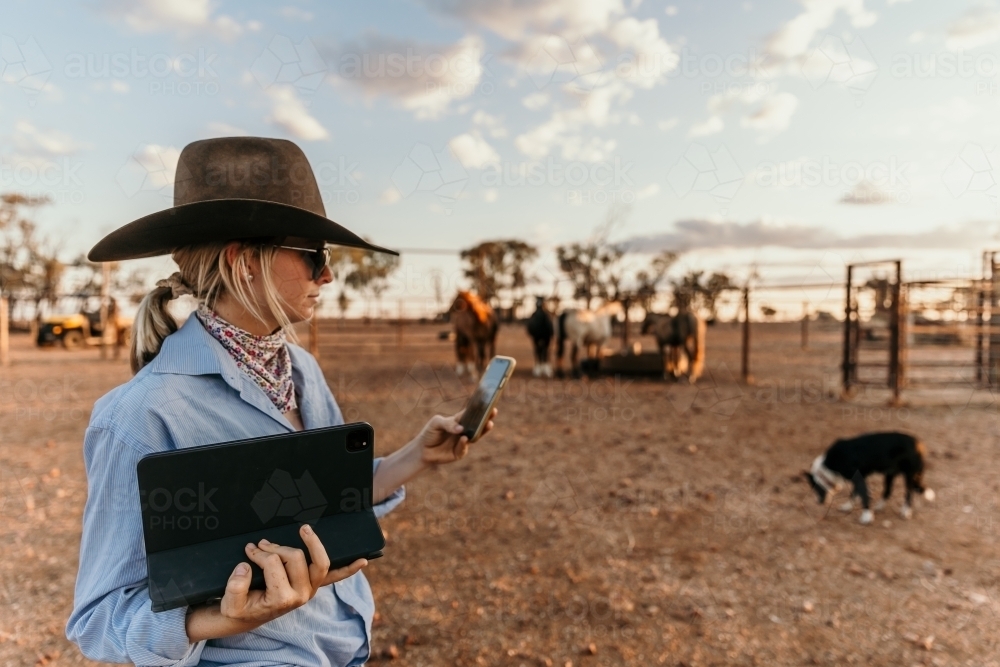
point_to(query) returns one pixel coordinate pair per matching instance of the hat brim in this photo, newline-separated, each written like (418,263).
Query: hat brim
(221,220)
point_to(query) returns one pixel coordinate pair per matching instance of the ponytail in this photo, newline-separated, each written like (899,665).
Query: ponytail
(206,274)
(153,323)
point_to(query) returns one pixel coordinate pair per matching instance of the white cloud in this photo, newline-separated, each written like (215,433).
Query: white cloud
(536,101)
(473,151)
(183,16)
(295,13)
(713,125)
(289,113)
(390,196)
(792,40)
(649,59)
(774,114)
(980,26)
(227,130)
(648,191)
(490,195)
(423,78)
(29,139)
(593,150)
(514,19)
(916,37)
(668,124)
(671,10)
(492,124)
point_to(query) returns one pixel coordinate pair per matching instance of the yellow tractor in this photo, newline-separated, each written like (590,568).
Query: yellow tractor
(84,328)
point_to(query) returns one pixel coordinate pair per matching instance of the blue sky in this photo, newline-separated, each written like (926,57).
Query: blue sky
(793,135)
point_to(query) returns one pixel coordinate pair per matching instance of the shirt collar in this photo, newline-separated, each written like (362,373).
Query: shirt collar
(192,351)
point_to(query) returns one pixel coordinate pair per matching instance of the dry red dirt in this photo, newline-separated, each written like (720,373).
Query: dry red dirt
(604,522)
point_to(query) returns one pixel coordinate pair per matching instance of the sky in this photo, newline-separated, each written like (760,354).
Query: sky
(789,136)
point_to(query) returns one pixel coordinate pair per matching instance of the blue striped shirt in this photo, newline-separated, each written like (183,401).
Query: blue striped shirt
(193,394)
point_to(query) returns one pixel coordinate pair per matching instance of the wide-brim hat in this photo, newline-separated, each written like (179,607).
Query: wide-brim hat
(230,189)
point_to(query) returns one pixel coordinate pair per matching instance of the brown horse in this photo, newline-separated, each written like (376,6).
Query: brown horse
(475,326)
(685,333)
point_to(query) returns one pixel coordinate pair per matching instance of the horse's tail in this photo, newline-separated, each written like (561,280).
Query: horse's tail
(698,363)
(561,334)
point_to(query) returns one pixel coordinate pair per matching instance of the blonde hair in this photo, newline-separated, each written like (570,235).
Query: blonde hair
(206,273)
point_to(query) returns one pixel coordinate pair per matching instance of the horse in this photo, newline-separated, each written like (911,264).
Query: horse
(475,325)
(674,334)
(590,328)
(541,330)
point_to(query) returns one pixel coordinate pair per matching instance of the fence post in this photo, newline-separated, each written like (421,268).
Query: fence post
(848,309)
(805,325)
(895,344)
(314,335)
(399,332)
(747,378)
(105,277)
(4,332)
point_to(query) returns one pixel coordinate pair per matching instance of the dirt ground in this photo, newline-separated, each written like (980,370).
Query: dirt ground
(604,522)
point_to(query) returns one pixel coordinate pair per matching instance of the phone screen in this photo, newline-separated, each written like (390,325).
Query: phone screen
(479,403)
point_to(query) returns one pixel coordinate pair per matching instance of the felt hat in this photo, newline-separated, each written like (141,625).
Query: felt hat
(230,189)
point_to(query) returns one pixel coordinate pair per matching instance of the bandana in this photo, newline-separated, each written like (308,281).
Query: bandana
(264,359)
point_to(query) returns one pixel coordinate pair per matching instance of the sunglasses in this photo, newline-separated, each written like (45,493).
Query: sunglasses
(316,258)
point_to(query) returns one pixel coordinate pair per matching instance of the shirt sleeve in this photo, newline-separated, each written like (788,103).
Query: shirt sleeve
(112,620)
(394,499)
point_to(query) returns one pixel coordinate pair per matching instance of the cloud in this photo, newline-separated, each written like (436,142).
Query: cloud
(290,114)
(978,27)
(774,114)
(668,124)
(295,14)
(865,193)
(32,141)
(489,123)
(515,19)
(793,38)
(697,234)
(423,78)
(473,151)
(390,196)
(226,130)
(712,125)
(184,16)
(536,101)
(648,58)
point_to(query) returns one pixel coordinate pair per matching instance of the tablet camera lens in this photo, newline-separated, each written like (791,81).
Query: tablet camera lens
(357,441)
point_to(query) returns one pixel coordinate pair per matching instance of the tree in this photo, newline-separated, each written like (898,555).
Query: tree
(498,267)
(370,273)
(648,280)
(594,267)
(691,293)
(342,262)
(717,284)
(30,269)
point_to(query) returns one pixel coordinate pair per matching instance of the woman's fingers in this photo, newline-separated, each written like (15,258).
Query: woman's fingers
(342,573)
(317,554)
(296,569)
(275,577)
(237,588)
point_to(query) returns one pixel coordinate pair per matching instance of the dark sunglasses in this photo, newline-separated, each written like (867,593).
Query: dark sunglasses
(316,258)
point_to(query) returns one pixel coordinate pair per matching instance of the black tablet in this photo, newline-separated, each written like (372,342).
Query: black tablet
(200,506)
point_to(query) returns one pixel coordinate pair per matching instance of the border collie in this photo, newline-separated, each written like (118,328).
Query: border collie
(853,459)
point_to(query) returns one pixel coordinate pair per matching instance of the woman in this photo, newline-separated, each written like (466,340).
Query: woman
(248,233)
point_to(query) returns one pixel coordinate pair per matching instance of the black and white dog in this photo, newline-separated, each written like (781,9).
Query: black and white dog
(852,460)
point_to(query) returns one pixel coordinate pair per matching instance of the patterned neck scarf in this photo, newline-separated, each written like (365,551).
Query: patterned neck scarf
(264,359)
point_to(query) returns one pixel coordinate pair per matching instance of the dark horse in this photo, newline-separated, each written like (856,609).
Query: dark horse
(541,330)
(681,340)
(475,326)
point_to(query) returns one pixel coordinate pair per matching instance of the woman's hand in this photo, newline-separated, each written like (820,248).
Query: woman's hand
(289,583)
(441,440)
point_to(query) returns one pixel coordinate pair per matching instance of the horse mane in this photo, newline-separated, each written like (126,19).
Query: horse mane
(482,310)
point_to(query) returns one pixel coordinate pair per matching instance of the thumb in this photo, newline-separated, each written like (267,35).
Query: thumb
(237,588)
